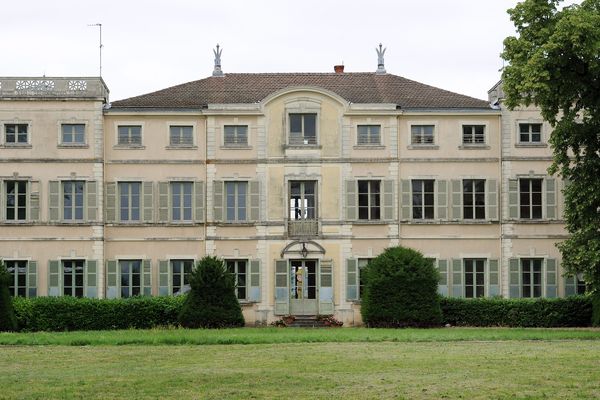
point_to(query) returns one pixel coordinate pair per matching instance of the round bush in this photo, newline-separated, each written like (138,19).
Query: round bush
(401,290)
(212,301)
(8,322)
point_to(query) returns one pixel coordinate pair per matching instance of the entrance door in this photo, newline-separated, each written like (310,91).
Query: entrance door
(303,287)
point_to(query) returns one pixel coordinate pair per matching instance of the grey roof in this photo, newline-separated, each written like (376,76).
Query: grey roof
(355,87)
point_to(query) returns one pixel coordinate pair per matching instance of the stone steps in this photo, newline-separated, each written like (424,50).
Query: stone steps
(307,322)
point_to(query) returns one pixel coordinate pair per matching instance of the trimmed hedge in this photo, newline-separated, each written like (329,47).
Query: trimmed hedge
(596,308)
(574,311)
(70,314)
(8,321)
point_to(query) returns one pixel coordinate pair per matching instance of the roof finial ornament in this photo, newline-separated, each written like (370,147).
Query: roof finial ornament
(217,71)
(380,63)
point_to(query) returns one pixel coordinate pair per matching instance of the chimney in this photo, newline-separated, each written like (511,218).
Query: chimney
(339,69)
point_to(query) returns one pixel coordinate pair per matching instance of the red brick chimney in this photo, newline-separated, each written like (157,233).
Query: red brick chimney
(339,69)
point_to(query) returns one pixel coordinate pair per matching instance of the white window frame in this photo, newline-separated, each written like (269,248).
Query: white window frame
(16,144)
(181,202)
(530,122)
(369,194)
(473,124)
(542,197)
(412,205)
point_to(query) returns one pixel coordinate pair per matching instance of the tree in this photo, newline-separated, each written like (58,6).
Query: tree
(401,290)
(212,301)
(8,322)
(554,63)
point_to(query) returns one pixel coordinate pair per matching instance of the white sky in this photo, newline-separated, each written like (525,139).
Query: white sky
(153,44)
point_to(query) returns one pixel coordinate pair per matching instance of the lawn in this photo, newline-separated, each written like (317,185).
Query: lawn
(269,363)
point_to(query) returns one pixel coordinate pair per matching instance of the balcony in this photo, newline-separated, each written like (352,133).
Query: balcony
(303,227)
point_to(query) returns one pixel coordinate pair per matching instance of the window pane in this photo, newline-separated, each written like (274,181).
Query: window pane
(296,123)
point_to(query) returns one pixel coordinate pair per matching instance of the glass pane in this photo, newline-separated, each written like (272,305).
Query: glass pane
(296,123)
(310,125)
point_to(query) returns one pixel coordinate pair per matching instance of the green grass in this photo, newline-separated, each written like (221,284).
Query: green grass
(155,337)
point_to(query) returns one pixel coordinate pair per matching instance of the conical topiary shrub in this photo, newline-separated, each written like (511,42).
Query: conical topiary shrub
(8,322)
(212,300)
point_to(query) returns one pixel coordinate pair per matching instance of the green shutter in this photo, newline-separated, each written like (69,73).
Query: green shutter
(282,292)
(406,203)
(551,198)
(570,285)
(513,198)
(165,284)
(32,279)
(551,287)
(199,201)
(148,202)
(218,201)
(34,200)
(514,278)
(112,280)
(54,278)
(442,199)
(492,199)
(326,287)
(352,279)
(254,200)
(457,278)
(456,199)
(110,203)
(389,203)
(163,201)
(91,188)
(91,279)
(493,278)
(254,286)
(54,201)
(442,266)
(351,200)
(146,278)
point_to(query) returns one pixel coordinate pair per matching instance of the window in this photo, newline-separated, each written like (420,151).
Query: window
(130,277)
(180,135)
(73,200)
(362,263)
(180,270)
(421,134)
(16,200)
(369,134)
(531,277)
(73,133)
(369,200)
(530,133)
(73,271)
(236,196)
(18,281)
(530,198)
(235,135)
(302,200)
(181,201)
(474,198)
(580,286)
(238,269)
(473,134)
(129,203)
(422,198)
(474,277)
(16,133)
(303,129)
(130,135)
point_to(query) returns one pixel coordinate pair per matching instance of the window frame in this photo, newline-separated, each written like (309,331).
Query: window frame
(474,207)
(530,133)
(74,287)
(421,135)
(474,264)
(239,289)
(73,124)
(129,125)
(530,194)
(305,209)
(15,285)
(129,208)
(423,204)
(236,143)
(130,275)
(73,207)
(473,135)
(181,206)
(371,208)
(237,201)
(16,143)
(302,140)
(181,127)
(184,273)
(369,142)
(532,285)
(17,200)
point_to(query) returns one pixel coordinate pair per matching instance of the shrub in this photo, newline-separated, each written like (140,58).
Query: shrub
(69,313)
(544,313)
(401,290)
(596,308)
(212,300)
(8,321)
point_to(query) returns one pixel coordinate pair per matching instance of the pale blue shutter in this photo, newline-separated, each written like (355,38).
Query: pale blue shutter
(389,202)
(457,278)
(513,198)
(326,287)
(492,199)
(91,189)
(148,201)
(442,266)
(34,200)
(406,206)
(91,279)
(163,202)
(352,279)
(112,281)
(32,279)
(493,278)
(254,200)
(442,199)
(254,286)
(146,278)
(551,288)
(54,278)
(54,201)
(164,278)
(282,292)
(551,198)
(218,201)
(351,200)
(514,278)
(199,201)
(456,199)
(110,203)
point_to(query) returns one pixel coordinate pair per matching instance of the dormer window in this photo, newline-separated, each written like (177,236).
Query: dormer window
(303,129)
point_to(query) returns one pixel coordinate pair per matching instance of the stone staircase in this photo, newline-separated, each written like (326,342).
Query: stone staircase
(307,321)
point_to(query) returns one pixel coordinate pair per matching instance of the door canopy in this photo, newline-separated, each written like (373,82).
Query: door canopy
(303,247)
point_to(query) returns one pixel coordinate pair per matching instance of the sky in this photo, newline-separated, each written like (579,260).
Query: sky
(150,45)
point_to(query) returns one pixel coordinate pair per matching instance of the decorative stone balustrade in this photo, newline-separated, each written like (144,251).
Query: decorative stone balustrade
(46,87)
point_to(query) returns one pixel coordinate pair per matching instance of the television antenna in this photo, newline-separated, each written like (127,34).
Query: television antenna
(100,47)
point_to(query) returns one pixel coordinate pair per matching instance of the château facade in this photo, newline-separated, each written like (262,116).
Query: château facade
(296,180)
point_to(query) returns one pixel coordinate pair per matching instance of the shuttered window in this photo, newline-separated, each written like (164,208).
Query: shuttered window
(181,201)
(129,201)
(23,277)
(238,268)
(423,198)
(473,198)
(369,200)
(73,274)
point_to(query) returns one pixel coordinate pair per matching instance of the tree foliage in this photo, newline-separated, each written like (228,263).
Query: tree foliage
(554,64)
(8,322)
(212,300)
